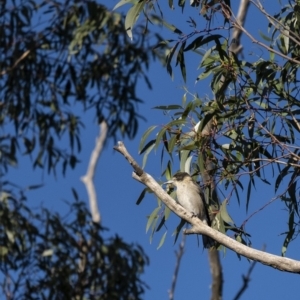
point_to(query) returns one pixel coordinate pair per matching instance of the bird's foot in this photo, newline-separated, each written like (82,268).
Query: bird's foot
(194,215)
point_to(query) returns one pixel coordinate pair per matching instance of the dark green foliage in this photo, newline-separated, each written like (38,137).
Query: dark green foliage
(46,256)
(57,60)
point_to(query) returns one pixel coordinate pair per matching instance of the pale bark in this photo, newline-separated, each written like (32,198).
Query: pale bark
(198,227)
(88,178)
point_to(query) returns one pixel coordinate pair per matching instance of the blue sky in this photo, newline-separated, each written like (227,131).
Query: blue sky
(117,193)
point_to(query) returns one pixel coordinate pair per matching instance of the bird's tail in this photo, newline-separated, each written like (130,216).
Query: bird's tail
(208,242)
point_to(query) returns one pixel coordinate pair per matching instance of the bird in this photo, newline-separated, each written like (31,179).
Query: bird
(190,197)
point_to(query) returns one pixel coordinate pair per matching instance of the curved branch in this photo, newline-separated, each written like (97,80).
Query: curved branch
(87,179)
(198,227)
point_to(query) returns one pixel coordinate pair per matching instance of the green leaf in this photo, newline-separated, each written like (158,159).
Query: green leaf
(148,145)
(281,175)
(248,194)
(168,107)
(169,57)
(237,194)
(10,235)
(181,3)
(172,27)
(160,225)
(167,209)
(123,2)
(180,60)
(224,214)
(163,43)
(149,149)
(162,240)
(152,217)
(167,127)
(178,229)
(145,136)
(196,43)
(34,187)
(75,194)
(266,38)
(172,143)
(168,171)
(47,252)
(292,187)
(3,251)
(160,136)
(289,235)
(184,154)
(203,75)
(205,121)
(251,124)
(132,17)
(187,166)
(141,196)
(265,152)
(208,39)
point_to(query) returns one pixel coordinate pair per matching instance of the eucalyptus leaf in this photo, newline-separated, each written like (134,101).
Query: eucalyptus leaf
(132,16)
(162,240)
(152,217)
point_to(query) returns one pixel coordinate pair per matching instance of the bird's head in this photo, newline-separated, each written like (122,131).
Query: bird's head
(179,177)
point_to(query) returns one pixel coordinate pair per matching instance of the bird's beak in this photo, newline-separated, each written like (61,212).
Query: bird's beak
(169,182)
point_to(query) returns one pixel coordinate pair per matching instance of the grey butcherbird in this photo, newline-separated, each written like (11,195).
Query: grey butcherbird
(190,196)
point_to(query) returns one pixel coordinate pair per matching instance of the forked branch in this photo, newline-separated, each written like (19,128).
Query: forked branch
(274,261)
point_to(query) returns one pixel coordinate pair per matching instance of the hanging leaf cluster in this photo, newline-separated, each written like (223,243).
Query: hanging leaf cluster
(57,61)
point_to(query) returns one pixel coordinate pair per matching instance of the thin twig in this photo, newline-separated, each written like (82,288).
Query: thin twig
(23,56)
(179,255)
(277,24)
(236,24)
(246,280)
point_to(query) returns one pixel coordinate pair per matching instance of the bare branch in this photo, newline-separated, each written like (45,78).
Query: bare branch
(284,30)
(246,280)
(87,179)
(179,255)
(239,26)
(198,227)
(235,45)
(216,273)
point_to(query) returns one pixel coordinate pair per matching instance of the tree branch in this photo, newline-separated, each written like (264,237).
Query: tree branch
(236,24)
(179,255)
(208,176)
(246,280)
(235,45)
(216,273)
(198,227)
(87,179)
